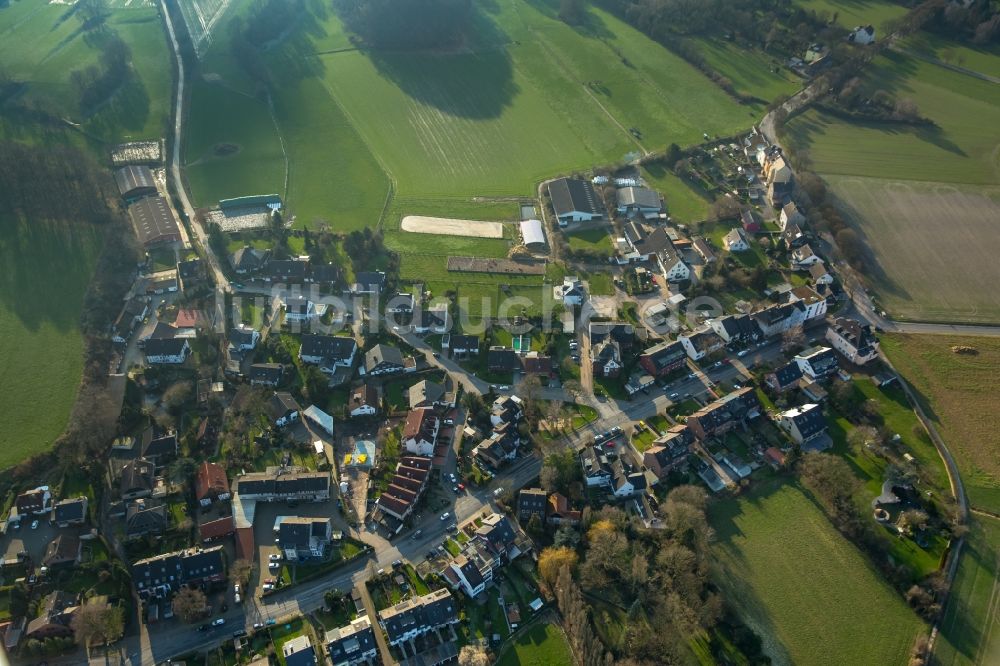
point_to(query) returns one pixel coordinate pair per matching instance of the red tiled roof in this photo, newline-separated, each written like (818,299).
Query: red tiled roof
(216,529)
(244,544)
(211,479)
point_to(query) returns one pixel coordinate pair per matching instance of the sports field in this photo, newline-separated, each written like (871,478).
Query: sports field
(41,349)
(809,593)
(959,395)
(970,634)
(954,167)
(925,269)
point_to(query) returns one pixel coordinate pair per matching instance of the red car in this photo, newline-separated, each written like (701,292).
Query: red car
(461,486)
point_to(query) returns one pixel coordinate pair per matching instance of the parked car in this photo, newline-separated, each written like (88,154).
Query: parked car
(742,353)
(674,396)
(273,565)
(274,557)
(203,627)
(258,625)
(218,622)
(452,528)
(416,534)
(445,516)
(34,524)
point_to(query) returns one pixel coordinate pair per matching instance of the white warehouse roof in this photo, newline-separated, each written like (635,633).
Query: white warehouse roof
(531,232)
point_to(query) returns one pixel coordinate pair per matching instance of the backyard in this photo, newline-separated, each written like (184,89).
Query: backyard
(544,644)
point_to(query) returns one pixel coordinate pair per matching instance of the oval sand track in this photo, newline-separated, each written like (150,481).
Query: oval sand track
(448,227)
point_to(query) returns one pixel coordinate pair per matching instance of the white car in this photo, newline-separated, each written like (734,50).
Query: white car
(498,492)
(445,516)
(274,557)
(273,565)
(34,524)
(267,587)
(218,622)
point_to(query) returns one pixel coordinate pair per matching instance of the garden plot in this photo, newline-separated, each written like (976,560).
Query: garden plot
(421,224)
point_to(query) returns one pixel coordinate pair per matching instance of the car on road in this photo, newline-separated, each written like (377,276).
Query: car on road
(675,396)
(271,622)
(267,587)
(454,489)
(498,492)
(258,625)
(609,445)
(218,622)
(34,524)
(692,375)
(239,633)
(416,534)
(742,353)
(445,516)
(460,486)
(452,528)
(273,565)
(397,563)
(449,422)
(436,355)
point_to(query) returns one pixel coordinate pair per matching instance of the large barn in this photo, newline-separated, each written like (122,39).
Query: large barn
(135,182)
(575,200)
(533,235)
(154,222)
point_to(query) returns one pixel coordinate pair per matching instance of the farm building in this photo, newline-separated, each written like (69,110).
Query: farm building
(154,222)
(533,235)
(642,200)
(135,182)
(575,200)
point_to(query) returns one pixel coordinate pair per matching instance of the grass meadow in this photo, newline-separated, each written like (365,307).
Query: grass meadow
(958,392)
(982,59)
(752,72)
(857,12)
(541,645)
(968,631)
(798,583)
(685,203)
(41,348)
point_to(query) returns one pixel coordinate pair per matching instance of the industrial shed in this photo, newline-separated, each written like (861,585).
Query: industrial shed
(154,222)
(532,234)
(135,182)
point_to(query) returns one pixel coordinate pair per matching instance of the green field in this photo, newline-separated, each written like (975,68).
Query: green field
(981,59)
(41,348)
(809,593)
(958,392)
(684,202)
(542,645)
(969,627)
(752,72)
(857,12)
(232,147)
(591,240)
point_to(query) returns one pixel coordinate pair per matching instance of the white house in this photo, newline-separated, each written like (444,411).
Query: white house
(700,343)
(401,303)
(435,319)
(672,266)
(243,338)
(804,257)
(817,363)
(299,309)
(167,351)
(803,424)
(862,34)
(736,241)
(420,432)
(570,292)
(812,303)
(819,274)
(790,214)
(856,341)
(329,352)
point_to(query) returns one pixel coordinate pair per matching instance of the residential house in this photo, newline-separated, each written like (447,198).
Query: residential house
(671,264)
(803,424)
(287,271)
(324,275)
(596,466)
(669,451)
(863,34)
(749,222)
(158,577)
(856,341)
(804,257)
(506,409)
(427,394)
(401,303)
(138,479)
(68,512)
(62,551)
(266,374)
(790,214)
(211,484)
(145,517)
(500,447)
(812,390)
(304,538)
(368,282)
(298,651)
(190,274)
(420,432)
(37,501)
(606,358)
(776,319)
(641,200)
(364,401)
(461,345)
(166,351)
(417,616)
(702,247)
(819,274)
(814,306)
(329,352)
(55,617)
(623,333)
(736,329)
(384,360)
(283,409)
(242,339)
(160,450)
(793,236)
(575,200)
(133,312)
(281,484)
(559,511)
(700,343)
(531,502)
(405,488)
(299,309)
(726,412)
(736,241)
(495,544)
(536,363)
(352,644)
(662,359)
(817,363)
(625,483)
(639,381)
(435,319)
(570,292)
(248,260)
(784,378)
(501,359)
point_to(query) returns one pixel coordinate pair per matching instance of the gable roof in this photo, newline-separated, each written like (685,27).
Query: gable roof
(425,392)
(383,354)
(641,197)
(210,479)
(574,195)
(134,177)
(152,219)
(266,372)
(332,347)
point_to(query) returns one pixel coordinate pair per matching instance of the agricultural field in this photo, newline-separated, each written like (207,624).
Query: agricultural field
(232,148)
(894,180)
(541,645)
(809,593)
(857,12)
(981,59)
(41,348)
(968,633)
(958,392)
(751,71)
(920,272)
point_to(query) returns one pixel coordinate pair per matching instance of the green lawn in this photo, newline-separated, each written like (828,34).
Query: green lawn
(541,645)
(982,59)
(41,348)
(857,12)
(752,72)
(968,629)
(808,592)
(232,148)
(685,202)
(591,240)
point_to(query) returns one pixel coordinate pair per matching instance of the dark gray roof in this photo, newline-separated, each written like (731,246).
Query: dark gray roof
(436,609)
(287,269)
(282,403)
(788,374)
(70,510)
(459,341)
(332,347)
(239,337)
(153,221)
(574,195)
(665,354)
(249,259)
(165,346)
(809,420)
(267,484)
(619,331)
(266,372)
(641,197)
(501,358)
(370,279)
(145,517)
(380,354)
(346,643)
(187,270)
(165,445)
(134,179)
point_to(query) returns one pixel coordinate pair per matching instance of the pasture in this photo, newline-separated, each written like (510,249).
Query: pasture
(809,593)
(541,645)
(968,633)
(958,393)
(41,348)
(982,59)
(685,202)
(857,12)
(924,270)
(751,71)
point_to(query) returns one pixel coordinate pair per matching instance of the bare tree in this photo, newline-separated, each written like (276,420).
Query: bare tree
(473,655)
(793,339)
(190,604)
(98,623)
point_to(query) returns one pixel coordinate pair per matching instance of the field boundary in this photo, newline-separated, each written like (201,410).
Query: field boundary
(502,266)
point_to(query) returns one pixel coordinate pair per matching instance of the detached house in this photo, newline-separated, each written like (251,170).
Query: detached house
(300,309)
(817,363)
(283,408)
(138,479)
(736,241)
(856,341)
(427,394)
(266,374)
(166,351)
(369,282)
(249,260)
(242,339)
(664,358)
(784,378)
(304,538)
(669,451)
(353,644)
(700,343)
(501,359)
(803,424)
(69,512)
(434,319)
(736,329)
(461,346)
(420,432)
(364,401)
(34,502)
(384,360)
(862,34)
(329,352)
(793,236)
(211,484)
(819,274)
(606,357)
(531,502)
(790,214)
(570,292)
(804,257)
